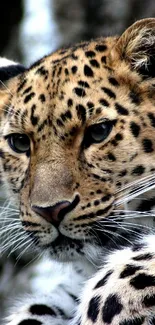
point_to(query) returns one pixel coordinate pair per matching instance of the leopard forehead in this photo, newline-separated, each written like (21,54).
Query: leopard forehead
(73,88)
(65,90)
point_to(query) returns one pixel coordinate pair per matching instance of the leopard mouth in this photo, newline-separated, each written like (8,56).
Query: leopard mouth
(63,241)
(66,244)
(64,248)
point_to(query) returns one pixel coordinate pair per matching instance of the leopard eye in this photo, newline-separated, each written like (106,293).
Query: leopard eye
(97,133)
(19,143)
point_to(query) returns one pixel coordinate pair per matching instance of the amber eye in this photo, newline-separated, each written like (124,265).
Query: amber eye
(97,133)
(20,143)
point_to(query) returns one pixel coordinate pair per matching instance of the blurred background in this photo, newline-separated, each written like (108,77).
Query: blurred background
(30,29)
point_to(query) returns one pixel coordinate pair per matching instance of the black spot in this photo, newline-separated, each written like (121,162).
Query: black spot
(101,48)
(133,321)
(93,308)
(149,301)
(27,90)
(138,170)
(103,281)
(94,63)
(143,257)
(66,72)
(135,129)
(90,54)
(121,110)
(118,137)
(104,102)
(29,224)
(114,143)
(104,59)
(96,202)
(74,57)
(135,97)
(88,71)
(59,71)
(113,82)
(74,69)
(73,131)
(122,173)
(98,110)
(137,246)
(29,97)
(42,98)
(81,112)
(111,308)
(152,119)
(70,102)
(147,145)
(83,84)
(99,191)
(106,198)
(142,281)
(98,213)
(21,86)
(129,270)
(79,92)
(2,154)
(111,156)
(90,106)
(42,71)
(30,321)
(59,122)
(153,320)
(66,116)
(109,92)
(34,119)
(40,309)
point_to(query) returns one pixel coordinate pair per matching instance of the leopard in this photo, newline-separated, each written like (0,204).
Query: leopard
(77,156)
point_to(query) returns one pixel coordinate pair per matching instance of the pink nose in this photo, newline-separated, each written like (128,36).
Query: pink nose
(53,214)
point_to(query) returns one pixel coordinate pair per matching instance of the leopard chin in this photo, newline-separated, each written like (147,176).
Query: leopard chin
(64,248)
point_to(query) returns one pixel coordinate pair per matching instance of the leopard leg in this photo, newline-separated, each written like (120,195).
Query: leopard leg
(123,291)
(56,309)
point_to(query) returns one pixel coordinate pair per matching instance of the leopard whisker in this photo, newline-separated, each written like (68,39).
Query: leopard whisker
(16,234)
(9,91)
(20,245)
(121,227)
(8,209)
(132,211)
(134,194)
(117,235)
(151,229)
(37,257)
(136,183)
(9,227)
(11,247)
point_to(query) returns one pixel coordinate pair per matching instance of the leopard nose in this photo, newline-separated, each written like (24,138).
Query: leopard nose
(53,214)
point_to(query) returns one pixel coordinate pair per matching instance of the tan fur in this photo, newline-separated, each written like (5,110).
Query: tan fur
(59,168)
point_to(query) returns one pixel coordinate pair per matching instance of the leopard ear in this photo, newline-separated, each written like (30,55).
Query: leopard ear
(137,47)
(8,70)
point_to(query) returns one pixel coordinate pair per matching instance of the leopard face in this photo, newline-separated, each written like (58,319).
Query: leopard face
(75,129)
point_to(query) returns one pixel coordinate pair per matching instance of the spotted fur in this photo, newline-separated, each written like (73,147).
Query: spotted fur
(85,118)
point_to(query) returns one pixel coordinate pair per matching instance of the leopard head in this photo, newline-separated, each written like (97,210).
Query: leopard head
(76,128)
